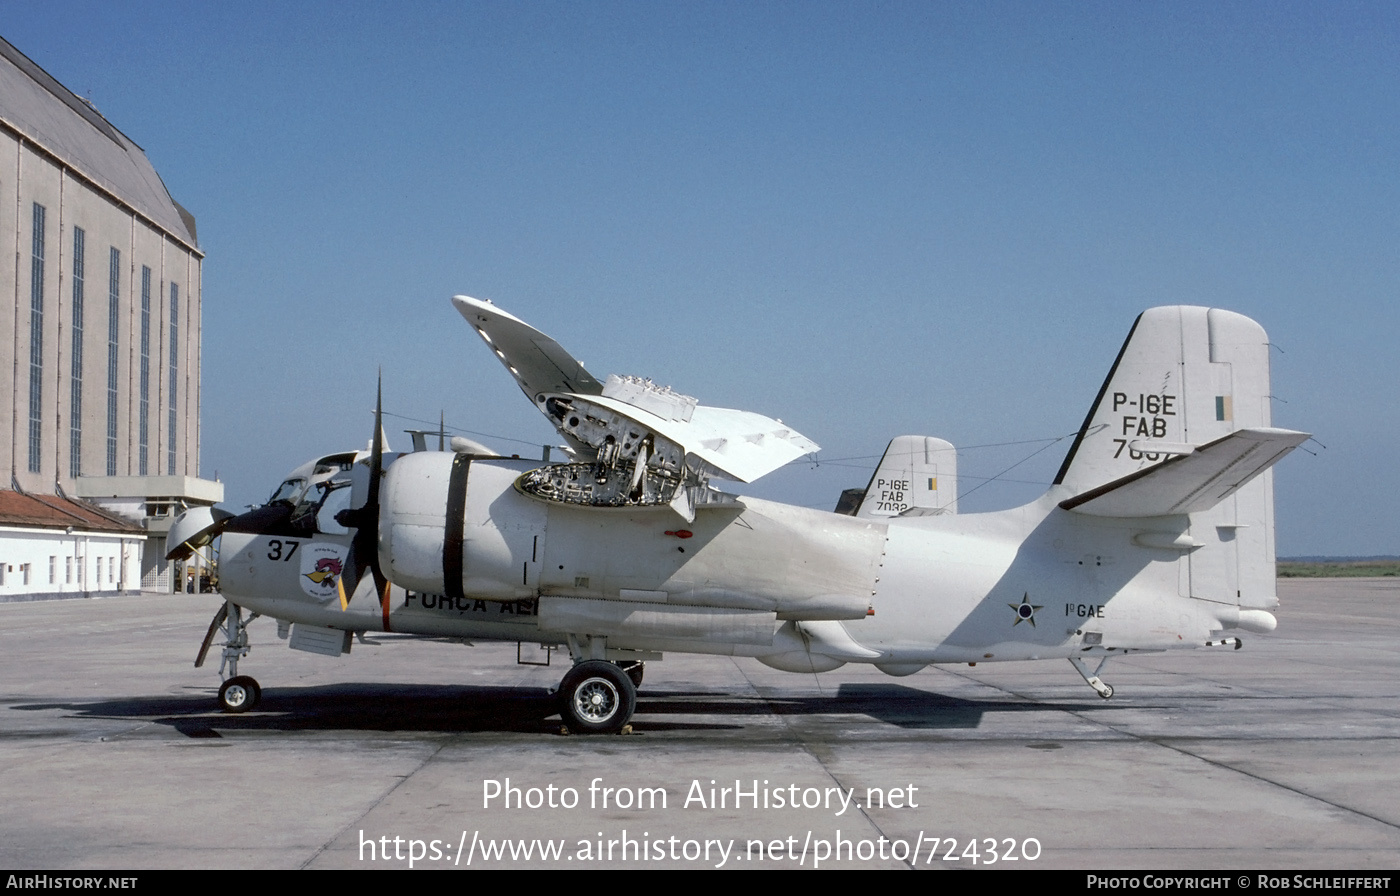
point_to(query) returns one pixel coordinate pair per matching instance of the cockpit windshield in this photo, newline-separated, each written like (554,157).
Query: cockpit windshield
(337,498)
(288,492)
(317,508)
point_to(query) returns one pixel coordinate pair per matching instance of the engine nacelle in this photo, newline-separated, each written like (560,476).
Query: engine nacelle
(454,524)
(459,525)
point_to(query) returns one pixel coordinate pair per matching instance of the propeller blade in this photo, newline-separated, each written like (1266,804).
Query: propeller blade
(364,548)
(376,472)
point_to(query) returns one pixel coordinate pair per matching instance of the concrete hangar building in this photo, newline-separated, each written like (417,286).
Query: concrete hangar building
(100,313)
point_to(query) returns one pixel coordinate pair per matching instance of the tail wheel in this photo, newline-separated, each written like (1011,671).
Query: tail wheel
(239,694)
(597,697)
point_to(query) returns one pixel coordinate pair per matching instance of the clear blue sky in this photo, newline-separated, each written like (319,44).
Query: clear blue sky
(867,219)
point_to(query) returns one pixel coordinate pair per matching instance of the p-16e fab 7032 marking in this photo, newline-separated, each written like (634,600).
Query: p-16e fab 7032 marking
(892,494)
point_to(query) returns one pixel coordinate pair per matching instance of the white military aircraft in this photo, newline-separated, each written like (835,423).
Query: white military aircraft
(1157,533)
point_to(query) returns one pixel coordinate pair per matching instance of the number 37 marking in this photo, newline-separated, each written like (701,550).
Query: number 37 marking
(281,550)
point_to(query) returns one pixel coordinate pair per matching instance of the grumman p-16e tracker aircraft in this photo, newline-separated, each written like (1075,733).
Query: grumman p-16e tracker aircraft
(1157,533)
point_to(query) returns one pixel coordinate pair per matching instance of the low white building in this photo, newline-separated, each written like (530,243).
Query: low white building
(51,546)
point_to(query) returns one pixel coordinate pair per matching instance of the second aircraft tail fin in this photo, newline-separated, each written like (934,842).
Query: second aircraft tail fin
(917,476)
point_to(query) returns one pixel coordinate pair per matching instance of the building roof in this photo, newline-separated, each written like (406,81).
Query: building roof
(78,136)
(54,512)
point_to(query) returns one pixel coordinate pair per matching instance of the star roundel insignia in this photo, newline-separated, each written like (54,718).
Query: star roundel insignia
(1025,611)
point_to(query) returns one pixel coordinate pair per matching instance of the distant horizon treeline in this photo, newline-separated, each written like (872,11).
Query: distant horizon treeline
(1382,558)
(1337,567)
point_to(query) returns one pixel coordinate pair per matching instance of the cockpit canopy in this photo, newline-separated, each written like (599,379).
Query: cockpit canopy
(294,488)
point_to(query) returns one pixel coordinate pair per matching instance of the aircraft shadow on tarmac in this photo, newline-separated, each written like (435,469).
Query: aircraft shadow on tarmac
(376,706)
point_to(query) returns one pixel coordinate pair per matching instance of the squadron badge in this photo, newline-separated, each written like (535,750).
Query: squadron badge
(321,568)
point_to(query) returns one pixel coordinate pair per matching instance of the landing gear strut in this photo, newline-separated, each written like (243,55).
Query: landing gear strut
(1092,678)
(635,669)
(239,693)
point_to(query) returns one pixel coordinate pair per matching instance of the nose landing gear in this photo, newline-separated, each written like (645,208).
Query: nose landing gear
(239,693)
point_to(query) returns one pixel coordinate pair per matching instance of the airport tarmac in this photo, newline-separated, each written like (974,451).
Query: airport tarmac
(1283,755)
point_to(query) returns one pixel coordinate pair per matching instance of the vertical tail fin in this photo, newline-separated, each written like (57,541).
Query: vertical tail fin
(1186,377)
(917,475)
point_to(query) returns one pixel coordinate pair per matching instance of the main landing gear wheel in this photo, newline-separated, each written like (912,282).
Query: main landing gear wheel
(239,694)
(597,697)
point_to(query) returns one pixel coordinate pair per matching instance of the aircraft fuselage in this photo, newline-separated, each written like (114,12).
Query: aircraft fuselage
(1029,583)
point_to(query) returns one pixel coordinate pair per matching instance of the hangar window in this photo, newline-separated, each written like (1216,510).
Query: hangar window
(75,414)
(36,343)
(174,377)
(114,284)
(145,418)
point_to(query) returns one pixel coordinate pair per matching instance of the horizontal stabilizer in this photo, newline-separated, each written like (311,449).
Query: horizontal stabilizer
(1190,483)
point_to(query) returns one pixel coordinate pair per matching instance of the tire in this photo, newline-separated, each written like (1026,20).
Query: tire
(597,697)
(239,694)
